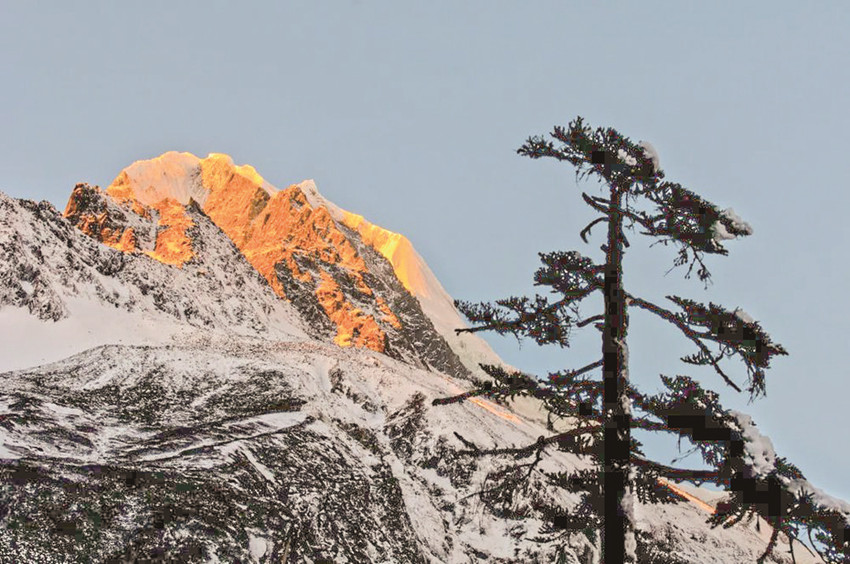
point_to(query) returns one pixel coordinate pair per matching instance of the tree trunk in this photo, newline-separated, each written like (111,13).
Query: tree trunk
(619,544)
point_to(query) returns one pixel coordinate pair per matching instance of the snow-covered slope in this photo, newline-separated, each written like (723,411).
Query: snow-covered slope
(62,292)
(223,450)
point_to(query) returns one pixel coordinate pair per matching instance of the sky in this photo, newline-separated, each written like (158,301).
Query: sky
(410,113)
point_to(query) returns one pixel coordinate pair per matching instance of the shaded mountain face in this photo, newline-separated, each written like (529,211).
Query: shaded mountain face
(293,452)
(198,367)
(308,251)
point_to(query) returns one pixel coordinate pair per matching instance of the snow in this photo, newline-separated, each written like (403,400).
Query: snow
(261,468)
(224,362)
(759,455)
(730,218)
(819,497)
(690,539)
(651,154)
(737,223)
(743,316)
(98,309)
(6,454)
(23,337)
(627,158)
(435,301)
(64,411)
(720,233)
(207,361)
(316,200)
(172,174)
(257,547)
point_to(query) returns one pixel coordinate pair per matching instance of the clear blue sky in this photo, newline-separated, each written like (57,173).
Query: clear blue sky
(410,113)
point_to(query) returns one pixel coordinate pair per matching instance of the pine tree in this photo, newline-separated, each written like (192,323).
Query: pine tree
(728,441)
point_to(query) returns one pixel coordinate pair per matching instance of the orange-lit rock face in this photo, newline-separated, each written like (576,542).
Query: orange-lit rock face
(173,245)
(127,242)
(395,248)
(273,230)
(234,198)
(85,209)
(389,316)
(353,326)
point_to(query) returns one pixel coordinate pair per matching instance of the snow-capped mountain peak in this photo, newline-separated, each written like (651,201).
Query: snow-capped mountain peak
(275,229)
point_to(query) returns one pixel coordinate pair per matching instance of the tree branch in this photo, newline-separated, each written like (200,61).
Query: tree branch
(594,205)
(694,336)
(460,397)
(526,450)
(777,522)
(589,320)
(574,373)
(586,230)
(678,474)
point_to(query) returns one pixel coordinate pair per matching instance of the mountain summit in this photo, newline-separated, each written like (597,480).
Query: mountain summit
(333,265)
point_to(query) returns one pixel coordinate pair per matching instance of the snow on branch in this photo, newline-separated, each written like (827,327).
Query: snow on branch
(729,226)
(759,456)
(747,465)
(735,332)
(603,152)
(651,154)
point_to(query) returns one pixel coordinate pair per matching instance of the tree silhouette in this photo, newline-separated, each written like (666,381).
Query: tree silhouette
(742,460)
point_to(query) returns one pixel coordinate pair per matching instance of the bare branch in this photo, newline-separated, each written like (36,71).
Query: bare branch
(586,230)
(650,425)
(646,223)
(474,329)
(589,320)
(590,201)
(460,397)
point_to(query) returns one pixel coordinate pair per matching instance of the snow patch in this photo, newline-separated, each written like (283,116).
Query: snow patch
(257,547)
(23,336)
(6,454)
(651,154)
(759,455)
(261,468)
(316,200)
(800,488)
(720,233)
(627,158)
(737,223)
(743,316)
(729,218)
(64,410)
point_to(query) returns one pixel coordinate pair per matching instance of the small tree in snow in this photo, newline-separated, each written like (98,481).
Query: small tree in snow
(638,196)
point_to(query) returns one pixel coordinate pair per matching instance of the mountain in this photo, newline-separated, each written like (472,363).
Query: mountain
(199,367)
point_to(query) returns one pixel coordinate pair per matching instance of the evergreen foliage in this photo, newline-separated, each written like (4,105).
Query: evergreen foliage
(769,487)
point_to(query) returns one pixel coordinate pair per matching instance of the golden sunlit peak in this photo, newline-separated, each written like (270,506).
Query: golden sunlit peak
(181,176)
(170,175)
(246,171)
(394,247)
